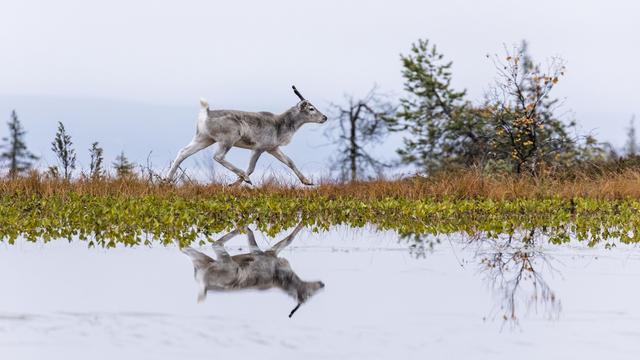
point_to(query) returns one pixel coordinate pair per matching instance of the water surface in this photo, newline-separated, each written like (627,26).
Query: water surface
(384,297)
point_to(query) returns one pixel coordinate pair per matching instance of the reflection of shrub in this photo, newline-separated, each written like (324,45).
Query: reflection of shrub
(514,267)
(420,244)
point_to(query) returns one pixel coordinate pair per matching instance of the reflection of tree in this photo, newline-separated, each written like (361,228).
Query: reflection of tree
(419,244)
(513,267)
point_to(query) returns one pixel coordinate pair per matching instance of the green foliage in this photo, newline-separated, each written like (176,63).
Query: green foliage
(15,152)
(107,220)
(514,130)
(61,146)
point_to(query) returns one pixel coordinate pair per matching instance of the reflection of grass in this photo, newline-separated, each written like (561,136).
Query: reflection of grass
(133,210)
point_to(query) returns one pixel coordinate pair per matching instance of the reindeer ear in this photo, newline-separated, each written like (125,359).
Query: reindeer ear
(301,105)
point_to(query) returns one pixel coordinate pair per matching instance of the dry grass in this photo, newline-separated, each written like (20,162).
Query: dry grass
(459,185)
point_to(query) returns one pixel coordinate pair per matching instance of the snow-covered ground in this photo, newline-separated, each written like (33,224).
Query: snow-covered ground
(63,301)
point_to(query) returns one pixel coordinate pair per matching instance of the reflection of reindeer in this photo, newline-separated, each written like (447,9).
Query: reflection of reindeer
(255,270)
(510,268)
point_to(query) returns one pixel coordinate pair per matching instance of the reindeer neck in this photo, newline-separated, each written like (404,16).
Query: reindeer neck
(288,122)
(288,281)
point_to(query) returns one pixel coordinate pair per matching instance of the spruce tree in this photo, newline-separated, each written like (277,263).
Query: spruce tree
(15,152)
(122,166)
(434,114)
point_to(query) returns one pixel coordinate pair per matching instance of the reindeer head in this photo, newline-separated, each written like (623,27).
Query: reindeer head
(309,289)
(307,112)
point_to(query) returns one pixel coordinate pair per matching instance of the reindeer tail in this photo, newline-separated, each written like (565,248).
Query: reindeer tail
(204,104)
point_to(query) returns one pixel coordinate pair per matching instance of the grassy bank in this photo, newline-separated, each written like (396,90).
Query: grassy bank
(452,186)
(133,211)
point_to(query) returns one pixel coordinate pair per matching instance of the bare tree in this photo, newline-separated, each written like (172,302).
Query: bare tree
(519,107)
(66,155)
(96,169)
(361,123)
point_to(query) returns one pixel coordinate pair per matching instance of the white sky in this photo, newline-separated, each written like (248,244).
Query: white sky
(246,54)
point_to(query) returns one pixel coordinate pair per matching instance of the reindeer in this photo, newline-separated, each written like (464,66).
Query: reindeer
(257,269)
(257,131)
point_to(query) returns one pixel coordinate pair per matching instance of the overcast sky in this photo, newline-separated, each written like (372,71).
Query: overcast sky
(246,54)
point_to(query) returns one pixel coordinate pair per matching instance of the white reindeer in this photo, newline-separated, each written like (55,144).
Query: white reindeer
(257,269)
(257,131)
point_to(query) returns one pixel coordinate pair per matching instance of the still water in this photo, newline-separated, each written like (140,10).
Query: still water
(363,294)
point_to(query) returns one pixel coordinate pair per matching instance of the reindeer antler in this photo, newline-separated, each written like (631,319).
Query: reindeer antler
(297,92)
(297,306)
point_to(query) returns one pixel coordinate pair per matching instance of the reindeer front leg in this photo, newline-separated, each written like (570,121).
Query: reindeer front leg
(287,240)
(278,154)
(223,149)
(252,165)
(253,245)
(218,245)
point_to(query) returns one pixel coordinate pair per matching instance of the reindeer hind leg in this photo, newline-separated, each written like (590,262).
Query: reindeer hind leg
(198,143)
